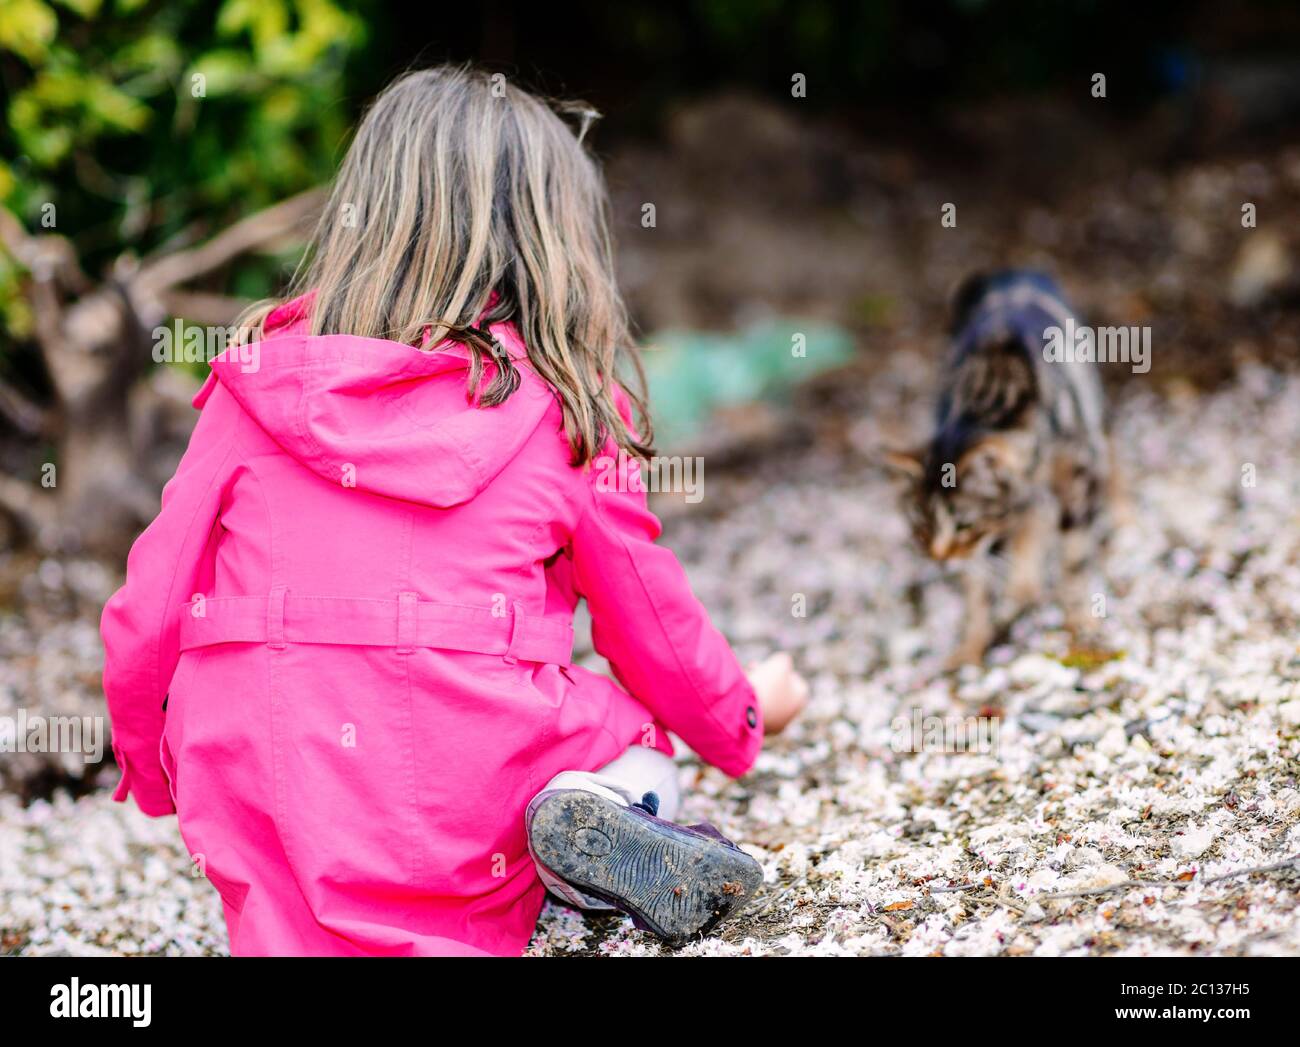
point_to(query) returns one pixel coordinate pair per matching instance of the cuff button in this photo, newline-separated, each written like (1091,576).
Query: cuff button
(751,716)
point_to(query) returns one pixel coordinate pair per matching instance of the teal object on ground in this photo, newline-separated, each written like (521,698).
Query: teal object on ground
(693,373)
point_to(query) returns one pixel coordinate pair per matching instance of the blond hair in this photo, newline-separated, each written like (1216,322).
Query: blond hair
(462,193)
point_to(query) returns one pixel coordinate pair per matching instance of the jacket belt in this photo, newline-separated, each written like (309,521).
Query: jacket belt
(404,623)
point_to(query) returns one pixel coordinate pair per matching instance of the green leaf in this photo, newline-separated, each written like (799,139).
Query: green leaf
(85,8)
(151,53)
(27,28)
(264,20)
(115,109)
(225,72)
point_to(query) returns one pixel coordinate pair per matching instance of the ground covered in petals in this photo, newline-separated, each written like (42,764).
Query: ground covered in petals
(1128,791)
(1132,785)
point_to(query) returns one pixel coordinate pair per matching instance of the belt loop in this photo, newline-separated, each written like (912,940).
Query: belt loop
(275,618)
(407,613)
(516,632)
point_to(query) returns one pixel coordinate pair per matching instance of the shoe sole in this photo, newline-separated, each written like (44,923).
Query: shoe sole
(679,884)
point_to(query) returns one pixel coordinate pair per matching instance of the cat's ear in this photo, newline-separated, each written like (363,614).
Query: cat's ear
(964,298)
(908,464)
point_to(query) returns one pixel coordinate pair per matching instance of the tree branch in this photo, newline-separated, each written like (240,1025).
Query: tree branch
(32,510)
(160,276)
(48,257)
(23,415)
(202,307)
(17,241)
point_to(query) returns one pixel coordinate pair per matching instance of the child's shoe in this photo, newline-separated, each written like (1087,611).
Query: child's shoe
(677,881)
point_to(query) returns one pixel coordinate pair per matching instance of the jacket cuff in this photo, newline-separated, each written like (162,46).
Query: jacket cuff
(152,796)
(747,741)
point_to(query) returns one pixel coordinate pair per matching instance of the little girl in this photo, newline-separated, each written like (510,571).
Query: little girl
(342,653)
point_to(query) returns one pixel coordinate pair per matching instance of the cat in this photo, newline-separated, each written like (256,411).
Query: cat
(1019,450)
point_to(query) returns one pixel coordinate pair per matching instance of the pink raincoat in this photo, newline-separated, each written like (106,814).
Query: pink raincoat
(341,654)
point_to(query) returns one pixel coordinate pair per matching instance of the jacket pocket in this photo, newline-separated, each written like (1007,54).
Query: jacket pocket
(168,762)
(344,770)
(172,740)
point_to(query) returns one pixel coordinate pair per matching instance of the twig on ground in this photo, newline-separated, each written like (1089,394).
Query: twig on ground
(1123,885)
(1275,867)
(1126,885)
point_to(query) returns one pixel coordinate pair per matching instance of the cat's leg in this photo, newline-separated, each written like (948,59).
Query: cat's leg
(1080,490)
(977,631)
(1080,551)
(1027,551)
(1119,493)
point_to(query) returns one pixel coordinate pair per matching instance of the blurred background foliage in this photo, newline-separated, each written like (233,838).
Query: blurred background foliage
(139,120)
(140,125)
(101,117)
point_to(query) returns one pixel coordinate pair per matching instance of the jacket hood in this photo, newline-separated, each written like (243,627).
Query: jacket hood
(384,417)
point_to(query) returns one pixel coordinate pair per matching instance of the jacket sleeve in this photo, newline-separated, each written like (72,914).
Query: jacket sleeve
(169,562)
(657,636)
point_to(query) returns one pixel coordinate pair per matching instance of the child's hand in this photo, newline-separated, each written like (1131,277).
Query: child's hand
(781,691)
